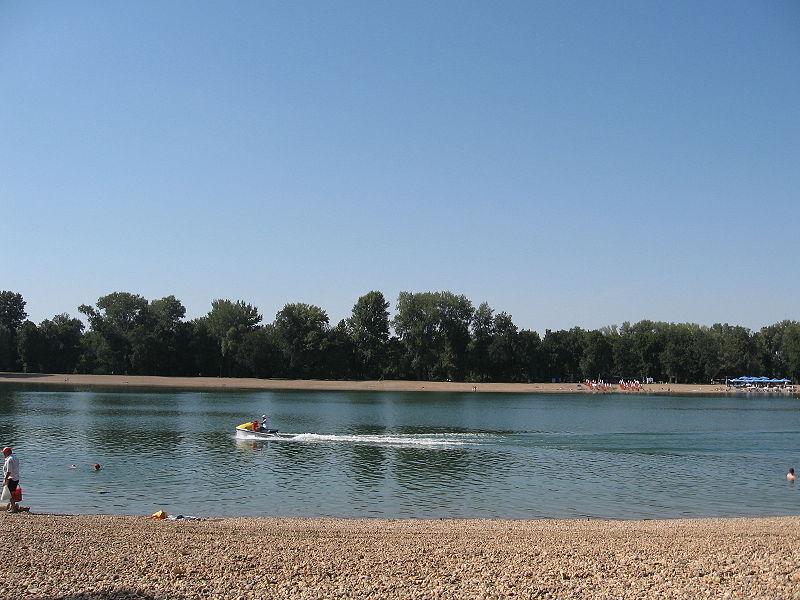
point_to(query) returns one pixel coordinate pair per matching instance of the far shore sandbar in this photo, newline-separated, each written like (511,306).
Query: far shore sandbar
(243,383)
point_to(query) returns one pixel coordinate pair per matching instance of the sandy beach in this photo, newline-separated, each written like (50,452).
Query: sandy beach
(379,386)
(51,557)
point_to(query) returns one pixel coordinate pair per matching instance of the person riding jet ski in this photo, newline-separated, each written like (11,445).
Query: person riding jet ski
(264,425)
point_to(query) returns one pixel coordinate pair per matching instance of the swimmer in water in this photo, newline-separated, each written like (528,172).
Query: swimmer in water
(790,475)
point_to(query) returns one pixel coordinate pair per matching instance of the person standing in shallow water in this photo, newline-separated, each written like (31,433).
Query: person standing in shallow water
(11,475)
(790,475)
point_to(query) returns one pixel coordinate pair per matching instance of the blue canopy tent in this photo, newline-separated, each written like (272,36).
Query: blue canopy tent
(759,380)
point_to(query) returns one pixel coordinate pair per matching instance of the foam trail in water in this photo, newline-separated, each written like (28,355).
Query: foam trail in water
(391,440)
(445,439)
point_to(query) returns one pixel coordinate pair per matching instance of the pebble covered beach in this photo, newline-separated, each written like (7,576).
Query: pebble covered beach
(91,557)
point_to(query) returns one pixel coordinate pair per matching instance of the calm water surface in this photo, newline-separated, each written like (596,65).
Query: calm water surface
(426,455)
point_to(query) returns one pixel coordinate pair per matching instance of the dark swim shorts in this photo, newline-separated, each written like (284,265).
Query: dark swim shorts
(12,485)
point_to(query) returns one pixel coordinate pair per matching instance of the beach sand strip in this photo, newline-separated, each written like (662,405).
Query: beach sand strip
(48,557)
(231,383)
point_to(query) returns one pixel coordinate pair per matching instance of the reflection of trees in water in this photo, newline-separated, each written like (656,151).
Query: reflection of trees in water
(364,465)
(299,459)
(470,467)
(416,466)
(10,402)
(136,441)
(115,419)
(432,430)
(367,464)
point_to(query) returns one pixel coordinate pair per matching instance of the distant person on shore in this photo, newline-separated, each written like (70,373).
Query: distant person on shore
(11,475)
(790,475)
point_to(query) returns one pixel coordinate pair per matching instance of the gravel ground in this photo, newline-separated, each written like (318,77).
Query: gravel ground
(98,557)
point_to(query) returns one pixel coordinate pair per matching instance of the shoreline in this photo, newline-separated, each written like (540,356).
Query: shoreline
(101,557)
(233,383)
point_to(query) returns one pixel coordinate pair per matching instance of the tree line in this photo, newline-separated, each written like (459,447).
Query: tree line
(433,336)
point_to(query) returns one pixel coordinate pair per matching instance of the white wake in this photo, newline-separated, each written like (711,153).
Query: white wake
(429,440)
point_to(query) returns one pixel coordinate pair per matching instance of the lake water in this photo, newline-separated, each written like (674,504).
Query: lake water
(395,455)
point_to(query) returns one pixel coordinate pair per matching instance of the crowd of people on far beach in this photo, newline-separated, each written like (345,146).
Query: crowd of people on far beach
(633,385)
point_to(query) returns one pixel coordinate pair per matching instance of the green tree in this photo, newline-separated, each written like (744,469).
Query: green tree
(30,347)
(259,353)
(597,359)
(117,316)
(456,314)
(159,344)
(397,360)
(228,322)
(301,330)
(434,329)
(417,327)
(738,350)
(503,348)
(482,332)
(562,352)
(12,315)
(780,349)
(528,357)
(622,351)
(12,310)
(791,351)
(368,327)
(707,347)
(648,343)
(340,355)
(679,358)
(61,338)
(93,347)
(204,348)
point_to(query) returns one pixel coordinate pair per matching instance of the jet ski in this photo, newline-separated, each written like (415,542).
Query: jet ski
(254,428)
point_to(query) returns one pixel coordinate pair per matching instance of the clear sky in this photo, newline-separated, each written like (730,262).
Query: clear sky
(570,163)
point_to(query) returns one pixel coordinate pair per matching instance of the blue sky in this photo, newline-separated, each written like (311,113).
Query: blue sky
(570,163)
